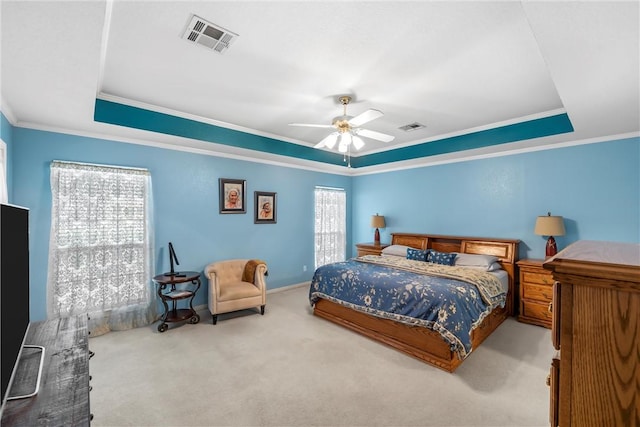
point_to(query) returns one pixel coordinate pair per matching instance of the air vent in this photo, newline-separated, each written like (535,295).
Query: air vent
(411,127)
(209,35)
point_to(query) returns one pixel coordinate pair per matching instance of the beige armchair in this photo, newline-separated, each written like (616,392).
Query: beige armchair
(236,284)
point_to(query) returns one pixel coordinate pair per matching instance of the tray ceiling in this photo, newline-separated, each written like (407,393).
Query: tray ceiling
(474,74)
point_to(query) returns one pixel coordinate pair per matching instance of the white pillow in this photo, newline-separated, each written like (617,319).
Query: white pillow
(475,260)
(395,250)
(493,267)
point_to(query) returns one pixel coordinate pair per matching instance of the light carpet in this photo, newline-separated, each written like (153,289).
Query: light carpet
(290,368)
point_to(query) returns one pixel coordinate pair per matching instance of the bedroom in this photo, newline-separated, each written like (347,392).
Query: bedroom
(591,179)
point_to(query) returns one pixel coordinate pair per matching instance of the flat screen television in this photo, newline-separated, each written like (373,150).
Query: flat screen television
(14,294)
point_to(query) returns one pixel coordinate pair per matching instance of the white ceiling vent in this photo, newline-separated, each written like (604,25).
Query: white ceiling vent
(208,35)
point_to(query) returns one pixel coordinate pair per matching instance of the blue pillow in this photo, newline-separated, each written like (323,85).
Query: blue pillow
(444,258)
(417,254)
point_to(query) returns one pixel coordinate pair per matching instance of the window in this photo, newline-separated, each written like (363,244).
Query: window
(100,245)
(330,225)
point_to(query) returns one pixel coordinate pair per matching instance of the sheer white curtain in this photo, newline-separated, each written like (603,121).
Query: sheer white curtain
(330,225)
(100,249)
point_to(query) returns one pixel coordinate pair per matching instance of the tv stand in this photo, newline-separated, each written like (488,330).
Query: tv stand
(63,398)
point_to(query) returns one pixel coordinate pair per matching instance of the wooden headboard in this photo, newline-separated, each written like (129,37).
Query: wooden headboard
(505,249)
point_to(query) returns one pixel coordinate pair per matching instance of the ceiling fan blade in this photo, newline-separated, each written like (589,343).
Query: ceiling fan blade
(365,117)
(375,135)
(309,125)
(329,141)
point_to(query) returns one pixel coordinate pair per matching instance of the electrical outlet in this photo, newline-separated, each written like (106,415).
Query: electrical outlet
(304,268)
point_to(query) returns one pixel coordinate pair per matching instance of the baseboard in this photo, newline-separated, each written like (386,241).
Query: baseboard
(203,307)
(288,287)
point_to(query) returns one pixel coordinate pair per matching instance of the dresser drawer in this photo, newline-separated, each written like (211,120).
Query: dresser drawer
(541,278)
(535,310)
(540,293)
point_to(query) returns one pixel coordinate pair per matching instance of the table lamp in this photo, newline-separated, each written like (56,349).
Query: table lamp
(377,221)
(550,226)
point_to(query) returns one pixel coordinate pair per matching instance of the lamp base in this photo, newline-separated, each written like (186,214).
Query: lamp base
(376,237)
(552,249)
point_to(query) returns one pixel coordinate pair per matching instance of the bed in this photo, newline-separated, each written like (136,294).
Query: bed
(418,338)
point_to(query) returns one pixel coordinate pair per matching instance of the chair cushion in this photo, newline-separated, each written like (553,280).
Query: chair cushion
(238,290)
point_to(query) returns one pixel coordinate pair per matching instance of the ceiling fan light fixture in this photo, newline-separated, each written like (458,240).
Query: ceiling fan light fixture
(347,130)
(329,141)
(358,143)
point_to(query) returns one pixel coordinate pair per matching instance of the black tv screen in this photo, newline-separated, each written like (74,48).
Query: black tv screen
(14,287)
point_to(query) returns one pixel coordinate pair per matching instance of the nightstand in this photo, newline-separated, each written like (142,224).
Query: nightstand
(370,248)
(536,293)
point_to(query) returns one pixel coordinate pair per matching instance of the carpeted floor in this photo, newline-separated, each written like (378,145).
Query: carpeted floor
(290,368)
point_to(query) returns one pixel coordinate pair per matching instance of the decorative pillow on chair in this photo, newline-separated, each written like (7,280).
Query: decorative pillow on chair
(444,258)
(417,254)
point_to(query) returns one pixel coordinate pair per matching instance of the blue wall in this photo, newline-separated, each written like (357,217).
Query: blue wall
(595,187)
(186,211)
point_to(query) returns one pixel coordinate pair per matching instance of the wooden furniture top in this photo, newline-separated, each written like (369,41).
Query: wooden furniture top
(63,399)
(178,277)
(531,262)
(372,245)
(603,260)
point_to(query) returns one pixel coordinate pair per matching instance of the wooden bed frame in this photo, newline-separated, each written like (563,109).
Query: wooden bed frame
(419,342)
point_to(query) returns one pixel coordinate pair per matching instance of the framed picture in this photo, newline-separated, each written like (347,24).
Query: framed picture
(265,208)
(232,195)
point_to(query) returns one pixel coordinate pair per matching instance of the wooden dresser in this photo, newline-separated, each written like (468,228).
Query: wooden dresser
(370,248)
(595,375)
(536,291)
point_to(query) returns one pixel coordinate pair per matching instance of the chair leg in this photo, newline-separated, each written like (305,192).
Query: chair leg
(214,319)
(262,310)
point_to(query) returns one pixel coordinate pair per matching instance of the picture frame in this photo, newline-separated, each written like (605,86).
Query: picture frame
(264,207)
(232,194)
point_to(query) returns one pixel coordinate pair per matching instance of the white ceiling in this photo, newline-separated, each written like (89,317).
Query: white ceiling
(453,66)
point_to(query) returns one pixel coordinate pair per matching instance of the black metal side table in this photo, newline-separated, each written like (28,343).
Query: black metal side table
(168,292)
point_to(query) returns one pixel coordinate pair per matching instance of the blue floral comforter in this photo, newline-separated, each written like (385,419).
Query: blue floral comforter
(449,300)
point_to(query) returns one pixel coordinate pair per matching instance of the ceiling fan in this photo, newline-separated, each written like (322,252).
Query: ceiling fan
(348,130)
